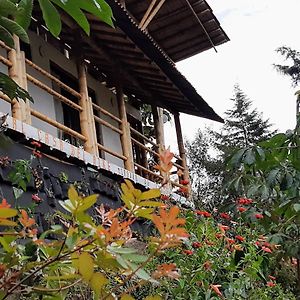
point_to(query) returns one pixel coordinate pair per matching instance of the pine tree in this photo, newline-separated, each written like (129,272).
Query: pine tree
(292,70)
(243,126)
(209,150)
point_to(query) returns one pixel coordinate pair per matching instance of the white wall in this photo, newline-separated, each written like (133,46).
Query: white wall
(42,54)
(4,106)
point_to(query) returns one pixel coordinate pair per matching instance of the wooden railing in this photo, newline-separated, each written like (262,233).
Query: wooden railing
(118,125)
(142,144)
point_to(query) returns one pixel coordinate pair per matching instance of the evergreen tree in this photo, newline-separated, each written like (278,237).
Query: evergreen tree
(209,150)
(243,125)
(293,69)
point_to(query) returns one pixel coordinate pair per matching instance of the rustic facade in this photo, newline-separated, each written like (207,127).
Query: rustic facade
(88,92)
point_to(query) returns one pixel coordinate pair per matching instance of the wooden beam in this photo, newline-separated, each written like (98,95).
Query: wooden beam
(125,127)
(181,146)
(17,71)
(152,15)
(87,121)
(147,13)
(158,126)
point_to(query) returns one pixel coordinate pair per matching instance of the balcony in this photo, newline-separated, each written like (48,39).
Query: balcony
(84,116)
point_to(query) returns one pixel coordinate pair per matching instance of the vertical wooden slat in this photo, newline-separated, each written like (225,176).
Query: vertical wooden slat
(181,146)
(125,127)
(20,109)
(158,126)
(87,121)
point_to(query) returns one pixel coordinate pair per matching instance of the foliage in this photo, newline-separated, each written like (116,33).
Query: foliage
(15,18)
(225,257)
(80,248)
(207,153)
(270,172)
(292,70)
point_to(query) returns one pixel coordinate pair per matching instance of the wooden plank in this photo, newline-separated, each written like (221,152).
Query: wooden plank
(152,15)
(58,125)
(125,128)
(54,93)
(102,122)
(101,147)
(181,146)
(148,171)
(87,122)
(5,61)
(102,110)
(158,126)
(53,78)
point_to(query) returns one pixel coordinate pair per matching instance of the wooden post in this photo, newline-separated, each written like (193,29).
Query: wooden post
(158,126)
(87,121)
(20,108)
(181,146)
(125,127)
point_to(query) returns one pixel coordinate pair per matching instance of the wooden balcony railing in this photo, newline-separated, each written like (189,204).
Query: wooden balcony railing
(127,134)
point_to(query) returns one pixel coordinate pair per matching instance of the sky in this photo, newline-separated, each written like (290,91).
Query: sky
(255,28)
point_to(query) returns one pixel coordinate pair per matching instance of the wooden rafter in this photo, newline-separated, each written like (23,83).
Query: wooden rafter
(150,13)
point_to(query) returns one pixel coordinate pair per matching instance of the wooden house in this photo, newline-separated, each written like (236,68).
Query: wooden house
(88,92)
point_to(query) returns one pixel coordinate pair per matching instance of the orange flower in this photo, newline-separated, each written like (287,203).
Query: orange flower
(219,235)
(223,228)
(266,249)
(272,277)
(258,216)
(271,284)
(184,182)
(241,209)
(207,265)
(36,144)
(225,216)
(240,238)
(166,270)
(215,288)
(188,252)
(203,213)
(196,245)
(25,220)
(245,201)
(230,241)
(37,154)
(164,197)
(4,204)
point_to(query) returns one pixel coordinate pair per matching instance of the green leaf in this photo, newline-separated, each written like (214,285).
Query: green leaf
(121,250)
(97,282)
(153,193)
(151,203)
(127,297)
(14,28)
(73,195)
(105,14)
(236,158)
(8,212)
(7,8)
(86,266)
(144,213)
(249,158)
(10,88)
(17,192)
(51,17)
(23,16)
(6,37)
(73,10)
(296,207)
(88,202)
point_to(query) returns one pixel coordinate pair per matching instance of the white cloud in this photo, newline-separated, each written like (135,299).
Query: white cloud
(256,28)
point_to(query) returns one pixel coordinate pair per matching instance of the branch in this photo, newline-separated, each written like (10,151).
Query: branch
(49,262)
